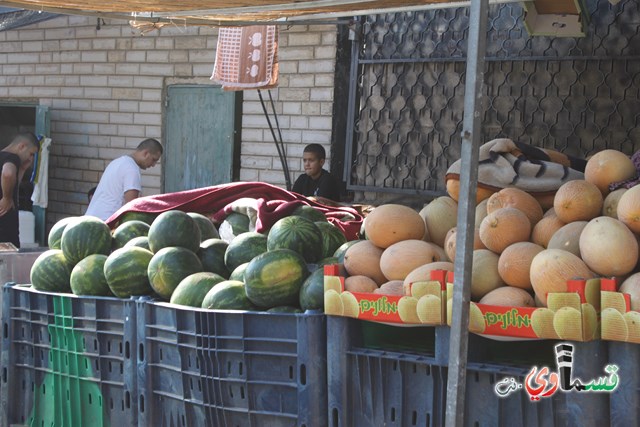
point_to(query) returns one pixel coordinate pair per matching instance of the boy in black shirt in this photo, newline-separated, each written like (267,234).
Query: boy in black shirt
(316,181)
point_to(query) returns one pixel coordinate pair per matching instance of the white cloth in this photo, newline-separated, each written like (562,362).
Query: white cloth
(40,195)
(120,176)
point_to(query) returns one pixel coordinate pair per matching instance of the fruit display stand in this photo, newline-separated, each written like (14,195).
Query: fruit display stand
(212,367)
(67,360)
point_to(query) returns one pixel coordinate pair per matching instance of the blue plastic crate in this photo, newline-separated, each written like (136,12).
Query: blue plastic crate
(67,360)
(230,368)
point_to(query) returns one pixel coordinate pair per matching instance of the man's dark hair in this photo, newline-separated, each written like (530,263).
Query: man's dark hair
(150,144)
(316,149)
(27,137)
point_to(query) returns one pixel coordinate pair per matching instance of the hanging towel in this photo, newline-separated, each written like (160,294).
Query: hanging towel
(246,57)
(40,195)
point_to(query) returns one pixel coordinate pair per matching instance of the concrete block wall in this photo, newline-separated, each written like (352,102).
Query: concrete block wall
(105,89)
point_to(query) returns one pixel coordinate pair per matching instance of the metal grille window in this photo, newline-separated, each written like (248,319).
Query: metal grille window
(576,95)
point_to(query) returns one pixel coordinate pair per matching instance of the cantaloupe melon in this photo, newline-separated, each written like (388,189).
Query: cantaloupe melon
(504,227)
(392,223)
(608,247)
(508,296)
(629,208)
(360,284)
(610,204)
(567,237)
(544,230)
(577,200)
(512,197)
(514,263)
(484,273)
(551,268)
(423,273)
(401,258)
(392,287)
(439,216)
(608,166)
(453,190)
(363,258)
(631,286)
(481,212)
(450,243)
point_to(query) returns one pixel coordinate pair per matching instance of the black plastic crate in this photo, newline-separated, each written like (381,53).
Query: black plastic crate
(230,368)
(67,360)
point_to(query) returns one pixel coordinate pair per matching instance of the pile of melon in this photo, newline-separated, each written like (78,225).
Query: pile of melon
(521,252)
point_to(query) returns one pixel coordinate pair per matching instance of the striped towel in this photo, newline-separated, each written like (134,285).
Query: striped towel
(246,57)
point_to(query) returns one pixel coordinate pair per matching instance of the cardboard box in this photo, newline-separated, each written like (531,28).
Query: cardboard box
(619,321)
(572,315)
(426,305)
(555,18)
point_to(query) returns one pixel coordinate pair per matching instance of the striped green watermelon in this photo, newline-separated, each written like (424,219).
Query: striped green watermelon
(169,266)
(174,228)
(284,309)
(339,253)
(244,248)
(312,291)
(327,261)
(207,229)
(129,230)
(238,273)
(332,238)
(192,290)
(310,213)
(297,234)
(85,236)
(126,271)
(55,235)
(239,222)
(51,271)
(87,277)
(141,241)
(146,217)
(228,295)
(211,254)
(274,278)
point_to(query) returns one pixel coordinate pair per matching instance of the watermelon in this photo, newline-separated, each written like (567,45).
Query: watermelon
(126,271)
(169,266)
(85,236)
(228,295)
(141,241)
(146,217)
(129,230)
(312,291)
(332,238)
(207,229)
(274,278)
(174,228)
(297,234)
(55,235)
(310,213)
(238,273)
(87,277)
(51,272)
(211,254)
(284,309)
(339,253)
(244,248)
(328,261)
(239,222)
(192,290)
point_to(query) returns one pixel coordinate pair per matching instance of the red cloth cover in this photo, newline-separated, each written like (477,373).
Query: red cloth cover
(273,204)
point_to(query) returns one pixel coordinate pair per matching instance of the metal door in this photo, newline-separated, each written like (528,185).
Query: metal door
(201,137)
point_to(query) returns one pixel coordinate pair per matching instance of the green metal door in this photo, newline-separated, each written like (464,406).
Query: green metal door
(201,137)
(42,127)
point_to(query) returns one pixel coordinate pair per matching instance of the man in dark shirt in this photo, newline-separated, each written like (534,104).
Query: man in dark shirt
(15,159)
(316,181)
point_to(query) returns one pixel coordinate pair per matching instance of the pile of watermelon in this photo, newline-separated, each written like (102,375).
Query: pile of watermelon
(180,257)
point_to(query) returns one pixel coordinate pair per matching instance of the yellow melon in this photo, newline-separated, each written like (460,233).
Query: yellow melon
(504,227)
(423,273)
(484,273)
(550,270)
(577,200)
(631,286)
(549,211)
(401,258)
(567,237)
(392,287)
(608,247)
(508,296)
(608,166)
(610,204)
(629,208)
(450,243)
(453,190)
(514,263)
(516,198)
(544,230)
(360,284)
(392,223)
(363,258)
(439,216)
(481,212)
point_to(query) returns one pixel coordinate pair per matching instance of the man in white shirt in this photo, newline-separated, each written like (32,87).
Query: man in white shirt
(120,183)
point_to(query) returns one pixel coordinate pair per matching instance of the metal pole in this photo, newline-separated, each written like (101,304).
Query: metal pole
(473,110)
